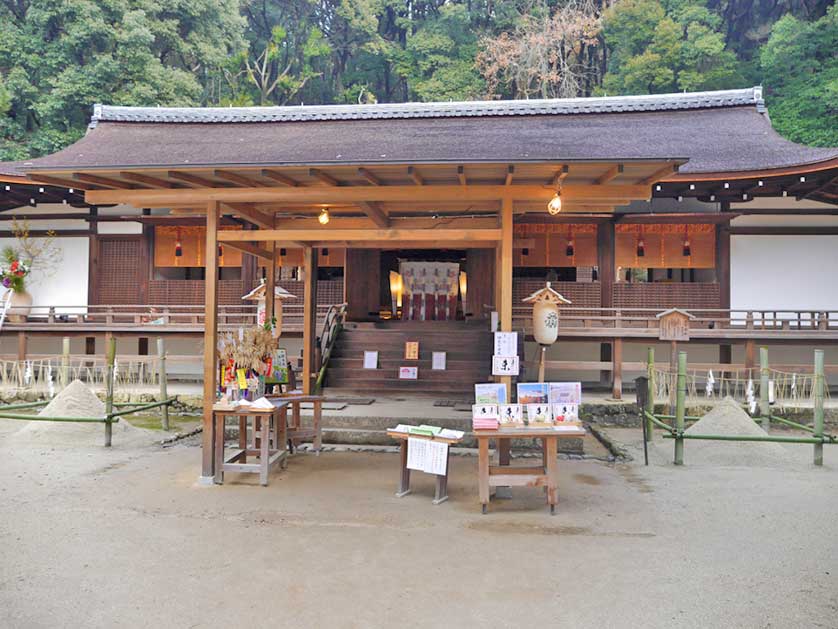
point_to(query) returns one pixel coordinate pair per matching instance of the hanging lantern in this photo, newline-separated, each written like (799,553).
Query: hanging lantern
(555,204)
(569,250)
(324,217)
(396,291)
(687,250)
(178,245)
(641,245)
(545,314)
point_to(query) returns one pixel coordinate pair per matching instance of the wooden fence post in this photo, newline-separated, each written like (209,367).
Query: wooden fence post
(164,395)
(817,402)
(680,404)
(110,359)
(65,362)
(764,406)
(650,393)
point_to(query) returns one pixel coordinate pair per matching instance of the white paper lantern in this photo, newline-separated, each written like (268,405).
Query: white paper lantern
(545,322)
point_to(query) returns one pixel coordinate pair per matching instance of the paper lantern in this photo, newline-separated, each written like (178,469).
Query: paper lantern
(463,289)
(396,292)
(545,314)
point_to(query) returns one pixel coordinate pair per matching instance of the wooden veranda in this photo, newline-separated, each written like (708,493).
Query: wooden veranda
(464,206)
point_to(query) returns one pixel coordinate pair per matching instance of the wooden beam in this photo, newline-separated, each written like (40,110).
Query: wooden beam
(210,340)
(105,182)
(510,171)
(192,180)
(610,174)
(589,194)
(309,316)
(369,176)
(279,177)
(461,175)
(823,185)
(146,180)
(784,231)
(323,176)
(265,221)
(659,174)
(375,213)
(244,247)
(58,181)
(415,176)
(560,176)
(236,178)
(420,222)
(382,235)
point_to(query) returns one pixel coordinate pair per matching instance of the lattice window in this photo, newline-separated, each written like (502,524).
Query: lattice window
(119,271)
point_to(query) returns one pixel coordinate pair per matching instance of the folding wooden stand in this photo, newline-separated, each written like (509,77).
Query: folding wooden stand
(505,475)
(441,489)
(269,437)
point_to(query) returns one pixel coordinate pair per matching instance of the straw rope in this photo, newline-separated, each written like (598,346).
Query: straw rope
(44,375)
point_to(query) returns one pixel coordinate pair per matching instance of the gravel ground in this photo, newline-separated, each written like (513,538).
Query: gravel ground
(126,538)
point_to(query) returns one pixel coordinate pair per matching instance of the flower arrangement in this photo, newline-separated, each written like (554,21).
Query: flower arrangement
(13,270)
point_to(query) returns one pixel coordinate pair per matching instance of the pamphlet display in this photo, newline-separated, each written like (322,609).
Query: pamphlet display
(533,393)
(490,393)
(484,417)
(565,413)
(511,415)
(565,392)
(425,449)
(538,415)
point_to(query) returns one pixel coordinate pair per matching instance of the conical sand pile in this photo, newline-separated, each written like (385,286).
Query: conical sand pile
(77,400)
(728,418)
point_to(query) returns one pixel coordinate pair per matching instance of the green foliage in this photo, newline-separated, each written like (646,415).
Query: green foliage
(801,75)
(59,58)
(658,47)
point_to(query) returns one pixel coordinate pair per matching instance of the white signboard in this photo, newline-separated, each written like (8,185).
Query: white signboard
(408,373)
(370,360)
(438,361)
(506,343)
(565,392)
(427,456)
(505,365)
(484,411)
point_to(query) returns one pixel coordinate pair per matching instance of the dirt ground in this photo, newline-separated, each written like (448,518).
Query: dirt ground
(126,537)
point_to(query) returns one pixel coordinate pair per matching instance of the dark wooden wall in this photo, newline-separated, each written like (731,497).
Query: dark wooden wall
(362,283)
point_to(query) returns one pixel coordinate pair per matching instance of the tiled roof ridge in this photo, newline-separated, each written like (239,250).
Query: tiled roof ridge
(561,106)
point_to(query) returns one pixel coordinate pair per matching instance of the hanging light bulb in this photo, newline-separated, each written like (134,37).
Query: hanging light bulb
(555,204)
(324,217)
(178,246)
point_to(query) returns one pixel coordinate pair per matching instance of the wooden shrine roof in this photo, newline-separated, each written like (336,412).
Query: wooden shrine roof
(713,132)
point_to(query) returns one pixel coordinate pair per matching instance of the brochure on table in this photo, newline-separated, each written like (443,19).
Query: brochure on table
(424,452)
(540,405)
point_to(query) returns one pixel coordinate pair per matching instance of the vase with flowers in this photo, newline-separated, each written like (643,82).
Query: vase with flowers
(13,272)
(16,264)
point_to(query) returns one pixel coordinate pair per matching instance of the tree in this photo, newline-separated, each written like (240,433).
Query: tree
(656,47)
(546,54)
(800,70)
(59,58)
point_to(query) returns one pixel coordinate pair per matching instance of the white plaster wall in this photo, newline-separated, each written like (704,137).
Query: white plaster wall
(784,272)
(63,284)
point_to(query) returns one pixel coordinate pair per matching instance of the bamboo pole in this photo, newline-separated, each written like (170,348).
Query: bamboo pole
(680,403)
(764,407)
(111,358)
(650,388)
(65,362)
(818,406)
(164,395)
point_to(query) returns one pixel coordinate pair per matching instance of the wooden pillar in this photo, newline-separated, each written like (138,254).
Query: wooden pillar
(504,306)
(723,279)
(617,369)
(480,274)
(21,346)
(93,258)
(750,352)
(210,339)
(606,271)
(270,285)
(309,316)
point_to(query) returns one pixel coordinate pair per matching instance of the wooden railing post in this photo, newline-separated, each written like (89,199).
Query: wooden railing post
(819,387)
(680,405)
(65,362)
(764,406)
(650,393)
(111,359)
(164,395)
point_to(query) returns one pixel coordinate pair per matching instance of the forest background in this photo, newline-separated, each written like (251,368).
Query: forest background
(58,58)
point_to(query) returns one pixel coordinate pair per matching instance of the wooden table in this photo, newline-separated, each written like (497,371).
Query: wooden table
(504,475)
(296,431)
(269,437)
(441,489)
